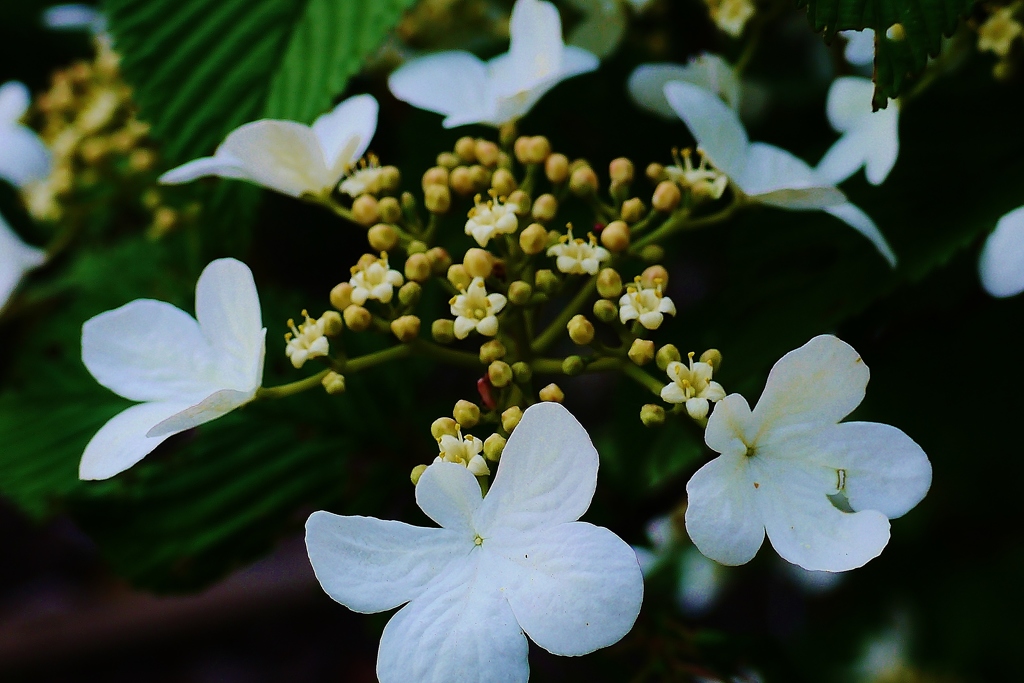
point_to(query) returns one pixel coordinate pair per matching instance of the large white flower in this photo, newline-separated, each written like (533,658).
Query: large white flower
(763,172)
(869,138)
(23,156)
(16,259)
(185,372)
(515,561)
(783,464)
(860,46)
(707,70)
(290,157)
(466,90)
(1002,259)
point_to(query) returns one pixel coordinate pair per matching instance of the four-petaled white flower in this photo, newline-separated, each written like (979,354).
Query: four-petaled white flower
(490,218)
(306,341)
(23,156)
(516,563)
(186,373)
(475,309)
(16,259)
(763,172)
(463,451)
(578,256)
(699,580)
(466,90)
(860,46)
(376,281)
(707,70)
(287,156)
(1002,259)
(702,181)
(646,304)
(869,138)
(782,464)
(693,386)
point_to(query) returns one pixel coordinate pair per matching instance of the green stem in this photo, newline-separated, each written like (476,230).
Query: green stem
(376,358)
(678,221)
(286,390)
(557,326)
(440,353)
(642,378)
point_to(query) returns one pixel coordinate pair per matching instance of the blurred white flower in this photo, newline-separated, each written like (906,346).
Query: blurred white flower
(1001,265)
(475,309)
(706,70)
(23,156)
(512,564)
(762,172)
(781,463)
(16,259)
(869,138)
(699,580)
(186,371)
(306,341)
(860,46)
(290,157)
(466,89)
(75,17)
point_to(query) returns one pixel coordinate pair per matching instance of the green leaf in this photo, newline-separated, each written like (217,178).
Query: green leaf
(900,55)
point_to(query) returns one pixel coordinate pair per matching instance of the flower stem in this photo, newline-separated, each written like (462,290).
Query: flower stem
(642,378)
(557,326)
(292,388)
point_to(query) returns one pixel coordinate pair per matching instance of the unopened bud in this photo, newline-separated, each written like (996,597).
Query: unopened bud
(583,182)
(538,149)
(443,426)
(510,418)
(519,293)
(522,372)
(499,373)
(653,276)
(667,354)
(417,472)
(333,383)
(332,323)
(655,172)
(366,260)
(443,331)
(573,365)
(408,202)
(417,268)
(409,293)
(341,296)
(142,160)
(519,148)
(357,318)
(615,236)
(439,260)
(466,414)
(533,239)
(480,176)
(621,171)
(478,262)
(465,147)
(556,168)
(437,198)
(492,351)
(712,357)
(487,153)
(667,196)
(652,415)
(503,182)
(406,328)
(458,276)
(522,202)
(653,253)
(462,181)
(365,210)
(606,311)
(545,208)
(382,237)
(416,247)
(581,330)
(552,392)
(633,210)
(609,283)
(390,210)
(493,446)
(546,281)
(390,178)
(641,352)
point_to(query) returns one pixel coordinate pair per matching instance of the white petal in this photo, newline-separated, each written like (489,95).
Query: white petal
(843,158)
(1002,259)
(460,628)
(217,404)
(222,165)
(74,16)
(574,588)
(774,176)
(345,132)
(672,393)
(149,351)
(122,441)
(885,144)
(16,259)
(722,518)
(228,311)
(648,560)
(730,426)
(860,46)
(535,48)
(280,155)
(714,125)
(14,102)
(700,582)
(711,72)
(547,474)
(849,102)
(448,83)
(852,215)
(372,565)
(450,495)
(23,156)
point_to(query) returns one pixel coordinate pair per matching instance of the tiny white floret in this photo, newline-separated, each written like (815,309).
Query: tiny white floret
(578,256)
(692,384)
(306,341)
(475,309)
(491,218)
(375,281)
(646,304)
(463,451)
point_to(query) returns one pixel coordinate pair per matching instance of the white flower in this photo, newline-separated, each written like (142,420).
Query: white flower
(699,581)
(376,281)
(491,218)
(287,156)
(23,156)
(781,463)
(1002,259)
(764,173)
(306,341)
(467,90)
(463,451)
(646,304)
(475,309)
(693,386)
(578,256)
(707,70)
(860,46)
(186,373)
(512,564)
(364,180)
(74,17)
(703,181)
(869,138)
(16,259)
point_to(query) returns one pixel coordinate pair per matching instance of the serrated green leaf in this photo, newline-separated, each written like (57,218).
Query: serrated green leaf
(900,53)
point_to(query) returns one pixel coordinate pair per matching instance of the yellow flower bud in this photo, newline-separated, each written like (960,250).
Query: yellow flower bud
(545,208)
(652,415)
(522,202)
(341,296)
(332,323)
(552,392)
(390,178)
(443,331)
(667,196)
(538,149)
(503,182)
(653,276)
(546,281)
(609,283)
(487,153)
(365,210)
(390,210)
(417,268)
(641,352)
(406,328)
(519,293)
(493,446)
(465,147)
(655,172)
(382,237)
(492,351)
(556,168)
(409,293)
(366,260)
(333,383)
(439,260)
(712,357)
(522,372)
(443,426)
(357,318)
(606,311)
(621,171)
(653,253)
(499,373)
(510,418)
(633,210)
(480,176)
(583,182)
(416,247)
(478,262)
(615,236)
(458,276)
(519,148)
(417,472)
(573,365)
(581,330)
(667,354)
(437,198)
(533,239)
(466,414)
(462,181)
(447,160)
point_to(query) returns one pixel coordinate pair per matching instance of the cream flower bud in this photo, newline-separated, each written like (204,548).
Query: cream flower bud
(437,175)
(538,149)
(546,281)
(605,311)
(331,323)
(466,413)
(667,196)
(609,283)
(581,330)
(357,318)
(653,276)
(462,181)
(443,331)
(478,262)
(510,418)
(447,160)
(522,372)
(583,181)
(492,351)
(652,415)
(519,293)
(406,328)
(333,383)
(556,168)
(465,147)
(503,182)
(366,210)
(655,172)
(444,426)
(544,208)
(305,341)
(522,202)
(416,473)
(621,171)
(499,373)
(712,357)
(437,199)
(668,354)
(615,236)
(382,237)
(458,276)
(475,309)
(439,260)
(390,210)
(341,296)
(533,239)
(409,294)
(417,267)
(641,351)
(573,365)
(552,392)
(487,153)
(633,210)
(493,446)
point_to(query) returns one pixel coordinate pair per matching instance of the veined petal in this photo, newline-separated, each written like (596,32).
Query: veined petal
(228,311)
(14,102)
(222,165)
(574,588)
(280,155)
(372,565)
(122,441)
(149,351)
(24,157)
(345,132)
(709,71)
(715,126)
(1001,265)
(448,83)
(217,404)
(722,517)
(16,259)
(819,383)
(853,216)
(547,474)
(450,495)
(460,628)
